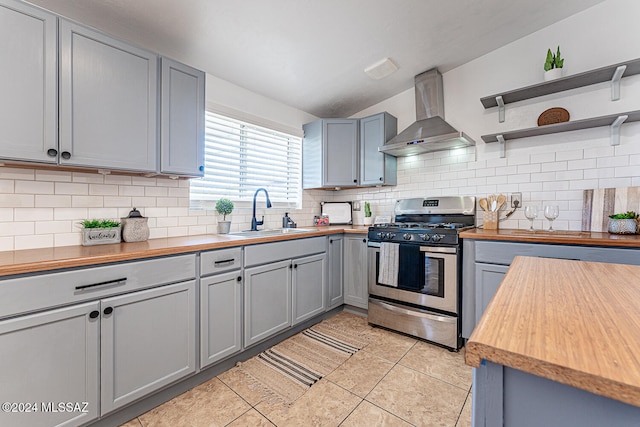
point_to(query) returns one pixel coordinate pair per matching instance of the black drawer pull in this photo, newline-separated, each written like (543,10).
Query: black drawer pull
(94,314)
(52,152)
(224,262)
(239,279)
(66,155)
(364,240)
(93,285)
(108,310)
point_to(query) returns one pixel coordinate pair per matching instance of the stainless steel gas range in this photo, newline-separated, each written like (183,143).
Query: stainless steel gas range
(415,275)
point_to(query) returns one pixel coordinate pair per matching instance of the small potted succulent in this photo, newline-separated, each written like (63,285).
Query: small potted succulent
(224,207)
(553,65)
(100,232)
(623,223)
(368,220)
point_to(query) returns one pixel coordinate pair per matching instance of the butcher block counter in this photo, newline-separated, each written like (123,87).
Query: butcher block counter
(571,322)
(36,260)
(555,237)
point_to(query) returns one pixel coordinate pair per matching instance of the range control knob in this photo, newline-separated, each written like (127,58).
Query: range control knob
(380,235)
(424,236)
(391,235)
(406,236)
(436,238)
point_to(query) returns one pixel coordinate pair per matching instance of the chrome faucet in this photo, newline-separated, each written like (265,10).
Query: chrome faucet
(254,222)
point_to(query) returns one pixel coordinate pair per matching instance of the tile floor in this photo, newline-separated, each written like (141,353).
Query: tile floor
(395,381)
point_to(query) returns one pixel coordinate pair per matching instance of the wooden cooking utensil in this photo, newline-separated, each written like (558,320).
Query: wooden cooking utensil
(501,199)
(484,204)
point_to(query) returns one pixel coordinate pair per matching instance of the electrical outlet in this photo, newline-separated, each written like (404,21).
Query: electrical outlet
(516,200)
(355,205)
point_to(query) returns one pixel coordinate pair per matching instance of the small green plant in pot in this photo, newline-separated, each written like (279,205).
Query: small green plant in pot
(623,223)
(224,207)
(100,232)
(553,65)
(368,220)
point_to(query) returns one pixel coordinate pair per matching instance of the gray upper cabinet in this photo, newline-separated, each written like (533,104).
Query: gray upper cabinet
(108,101)
(377,168)
(182,119)
(330,154)
(28,83)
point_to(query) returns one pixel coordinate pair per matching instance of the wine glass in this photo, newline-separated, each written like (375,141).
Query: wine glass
(531,212)
(551,212)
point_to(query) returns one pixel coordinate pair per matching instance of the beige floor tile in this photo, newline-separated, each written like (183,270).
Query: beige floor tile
(465,416)
(209,404)
(237,381)
(418,398)
(251,418)
(325,404)
(387,344)
(368,415)
(439,363)
(350,321)
(361,372)
(133,423)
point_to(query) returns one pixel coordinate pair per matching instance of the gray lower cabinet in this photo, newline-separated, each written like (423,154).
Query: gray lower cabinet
(50,357)
(335,267)
(28,83)
(356,292)
(182,119)
(220,316)
(488,278)
(267,300)
(147,342)
(107,100)
(377,168)
(308,290)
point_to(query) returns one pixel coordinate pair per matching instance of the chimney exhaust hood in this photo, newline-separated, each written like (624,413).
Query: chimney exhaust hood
(430,132)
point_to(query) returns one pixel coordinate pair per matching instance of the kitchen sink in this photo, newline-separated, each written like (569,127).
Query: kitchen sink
(271,232)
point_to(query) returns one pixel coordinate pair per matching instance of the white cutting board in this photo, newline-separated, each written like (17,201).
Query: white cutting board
(338,212)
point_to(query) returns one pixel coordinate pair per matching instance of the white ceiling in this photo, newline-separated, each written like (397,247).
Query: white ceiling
(310,54)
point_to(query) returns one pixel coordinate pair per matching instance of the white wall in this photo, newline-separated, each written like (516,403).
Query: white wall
(549,169)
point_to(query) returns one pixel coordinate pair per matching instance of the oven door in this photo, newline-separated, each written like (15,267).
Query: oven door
(427,276)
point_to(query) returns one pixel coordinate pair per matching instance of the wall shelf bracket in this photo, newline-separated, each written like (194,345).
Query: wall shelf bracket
(615,129)
(503,146)
(615,82)
(500,103)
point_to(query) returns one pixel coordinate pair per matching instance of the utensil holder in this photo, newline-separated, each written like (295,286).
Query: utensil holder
(491,220)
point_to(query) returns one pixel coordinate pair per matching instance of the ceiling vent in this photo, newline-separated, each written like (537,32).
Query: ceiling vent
(381,69)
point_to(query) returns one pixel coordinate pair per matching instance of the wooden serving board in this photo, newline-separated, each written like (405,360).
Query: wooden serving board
(599,203)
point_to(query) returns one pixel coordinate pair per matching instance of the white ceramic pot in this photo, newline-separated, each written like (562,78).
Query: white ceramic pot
(368,220)
(224,227)
(552,74)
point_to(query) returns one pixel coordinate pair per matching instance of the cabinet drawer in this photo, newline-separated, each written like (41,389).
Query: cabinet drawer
(271,252)
(32,293)
(219,261)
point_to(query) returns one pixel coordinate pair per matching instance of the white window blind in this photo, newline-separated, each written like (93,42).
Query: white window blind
(240,158)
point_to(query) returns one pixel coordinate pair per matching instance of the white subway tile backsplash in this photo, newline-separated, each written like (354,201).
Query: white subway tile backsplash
(6,214)
(581,164)
(61,214)
(545,157)
(34,241)
(103,189)
(87,178)
(53,227)
(33,214)
(33,187)
(88,201)
(17,228)
(156,191)
(115,201)
(52,201)
(569,175)
(52,176)
(607,162)
(554,166)
(130,190)
(7,186)
(80,189)
(143,202)
(17,173)
(569,155)
(117,179)
(614,182)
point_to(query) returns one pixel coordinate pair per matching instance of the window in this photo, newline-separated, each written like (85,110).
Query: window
(240,157)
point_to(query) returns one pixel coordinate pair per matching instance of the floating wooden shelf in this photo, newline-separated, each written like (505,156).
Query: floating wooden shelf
(586,78)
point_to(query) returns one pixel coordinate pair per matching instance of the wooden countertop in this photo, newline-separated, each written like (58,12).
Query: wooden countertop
(36,260)
(573,322)
(586,238)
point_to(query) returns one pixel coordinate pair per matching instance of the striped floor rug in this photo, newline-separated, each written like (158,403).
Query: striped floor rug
(287,370)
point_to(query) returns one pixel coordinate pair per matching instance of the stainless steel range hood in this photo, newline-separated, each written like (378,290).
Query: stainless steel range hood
(430,132)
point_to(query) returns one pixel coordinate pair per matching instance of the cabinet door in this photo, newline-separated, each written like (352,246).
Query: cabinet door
(340,140)
(308,287)
(488,278)
(355,271)
(148,341)
(336,271)
(267,300)
(377,168)
(108,102)
(220,316)
(51,357)
(182,118)
(28,83)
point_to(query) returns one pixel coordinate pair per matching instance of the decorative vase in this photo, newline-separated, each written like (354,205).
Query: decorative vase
(100,236)
(135,227)
(368,220)
(224,227)
(623,226)
(552,74)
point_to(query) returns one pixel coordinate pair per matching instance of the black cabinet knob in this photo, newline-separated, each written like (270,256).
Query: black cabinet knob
(290,265)
(330,240)
(239,279)
(380,178)
(364,240)
(108,310)
(295,265)
(355,180)
(66,155)
(52,152)
(94,314)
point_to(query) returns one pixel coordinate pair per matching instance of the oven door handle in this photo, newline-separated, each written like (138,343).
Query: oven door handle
(415,312)
(438,249)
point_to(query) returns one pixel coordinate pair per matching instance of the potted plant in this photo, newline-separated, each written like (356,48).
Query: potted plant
(623,223)
(224,207)
(367,214)
(100,232)
(553,65)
